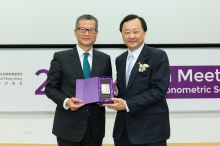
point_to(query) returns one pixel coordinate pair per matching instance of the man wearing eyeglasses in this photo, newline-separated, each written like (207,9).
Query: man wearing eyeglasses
(78,124)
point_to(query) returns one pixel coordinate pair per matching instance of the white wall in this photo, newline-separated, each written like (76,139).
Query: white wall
(53,21)
(185,127)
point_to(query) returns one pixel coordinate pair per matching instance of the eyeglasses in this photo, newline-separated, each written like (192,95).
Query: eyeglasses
(83,30)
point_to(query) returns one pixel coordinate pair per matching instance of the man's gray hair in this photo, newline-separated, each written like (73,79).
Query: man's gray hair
(87,17)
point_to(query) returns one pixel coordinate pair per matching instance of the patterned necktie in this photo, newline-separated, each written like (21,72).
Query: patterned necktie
(129,68)
(86,66)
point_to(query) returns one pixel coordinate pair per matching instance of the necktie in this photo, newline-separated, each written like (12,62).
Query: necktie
(129,67)
(86,66)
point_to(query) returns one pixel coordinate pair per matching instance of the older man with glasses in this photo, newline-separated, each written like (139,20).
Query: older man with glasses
(78,124)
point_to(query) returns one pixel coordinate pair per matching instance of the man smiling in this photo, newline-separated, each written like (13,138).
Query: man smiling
(78,125)
(142,81)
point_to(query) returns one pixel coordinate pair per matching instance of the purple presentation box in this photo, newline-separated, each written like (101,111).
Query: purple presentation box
(96,89)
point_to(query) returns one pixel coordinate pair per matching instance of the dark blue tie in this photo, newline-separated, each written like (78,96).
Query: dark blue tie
(86,66)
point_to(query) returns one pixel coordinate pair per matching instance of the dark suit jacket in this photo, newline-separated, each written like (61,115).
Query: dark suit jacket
(61,84)
(148,118)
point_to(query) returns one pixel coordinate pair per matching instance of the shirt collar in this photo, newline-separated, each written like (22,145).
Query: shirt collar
(137,52)
(81,51)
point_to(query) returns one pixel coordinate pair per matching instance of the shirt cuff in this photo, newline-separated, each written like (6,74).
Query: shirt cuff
(64,104)
(127,109)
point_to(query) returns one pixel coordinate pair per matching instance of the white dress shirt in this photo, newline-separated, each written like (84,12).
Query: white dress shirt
(81,57)
(136,54)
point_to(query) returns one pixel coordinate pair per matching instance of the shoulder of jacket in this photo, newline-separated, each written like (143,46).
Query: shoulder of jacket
(122,55)
(155,50)
(101,53)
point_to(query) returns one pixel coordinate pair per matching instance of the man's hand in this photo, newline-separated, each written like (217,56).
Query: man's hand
(118,105)
(71,104)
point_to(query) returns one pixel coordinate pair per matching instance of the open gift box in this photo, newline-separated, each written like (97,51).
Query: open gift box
(96,89)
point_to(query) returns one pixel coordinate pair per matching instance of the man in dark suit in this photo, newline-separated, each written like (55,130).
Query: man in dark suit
(78,125)
(143,76)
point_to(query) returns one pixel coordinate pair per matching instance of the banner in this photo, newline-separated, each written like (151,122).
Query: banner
(194,83)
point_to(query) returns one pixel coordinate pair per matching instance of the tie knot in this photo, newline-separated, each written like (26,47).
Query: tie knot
(86,55)
(131,55)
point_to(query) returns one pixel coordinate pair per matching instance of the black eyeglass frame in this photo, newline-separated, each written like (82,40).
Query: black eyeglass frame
(86,29)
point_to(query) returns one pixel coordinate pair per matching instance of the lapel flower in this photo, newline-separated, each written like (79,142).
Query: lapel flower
(143,67)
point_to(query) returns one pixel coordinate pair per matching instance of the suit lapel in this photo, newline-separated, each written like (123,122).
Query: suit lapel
(95,63)
(75,62)
(123,70)
(141,59)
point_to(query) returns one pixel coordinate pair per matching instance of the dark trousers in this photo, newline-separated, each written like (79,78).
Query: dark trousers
(87,140)
(125,141)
